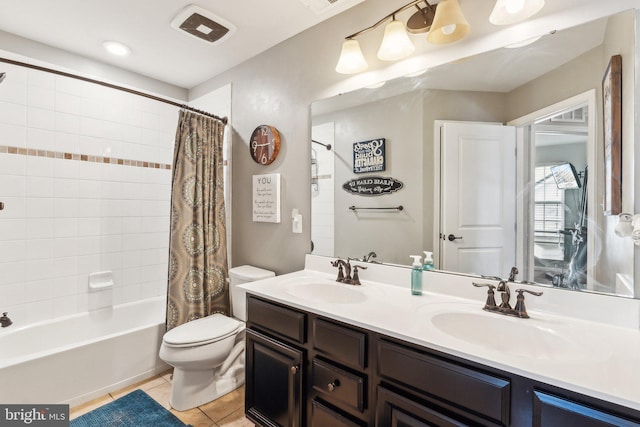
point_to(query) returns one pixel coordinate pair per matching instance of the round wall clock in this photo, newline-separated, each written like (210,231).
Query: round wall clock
(265,144)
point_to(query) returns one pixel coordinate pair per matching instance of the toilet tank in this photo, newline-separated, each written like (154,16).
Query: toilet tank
(238,276)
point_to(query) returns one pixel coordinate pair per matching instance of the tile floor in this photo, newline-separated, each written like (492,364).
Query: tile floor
(227,411)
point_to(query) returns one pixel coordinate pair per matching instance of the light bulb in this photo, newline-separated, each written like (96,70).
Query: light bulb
(514,6)
(448,29)
(507,12)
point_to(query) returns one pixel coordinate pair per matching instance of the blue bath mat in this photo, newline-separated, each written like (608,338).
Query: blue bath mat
(136,409)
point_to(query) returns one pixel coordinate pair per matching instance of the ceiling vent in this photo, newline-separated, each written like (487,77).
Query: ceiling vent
(321,6)
(206,26)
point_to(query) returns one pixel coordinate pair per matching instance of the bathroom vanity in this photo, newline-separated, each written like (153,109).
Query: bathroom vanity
(327,354)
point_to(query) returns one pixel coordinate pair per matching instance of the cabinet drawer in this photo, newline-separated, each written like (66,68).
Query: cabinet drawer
(340,343)
(395,410)
(338,385)
(321,416)
(552,410)
(282,321)
(476,391)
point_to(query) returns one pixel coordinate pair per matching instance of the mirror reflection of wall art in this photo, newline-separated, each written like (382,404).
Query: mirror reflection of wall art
(369,156)
(612,117)
(372,186)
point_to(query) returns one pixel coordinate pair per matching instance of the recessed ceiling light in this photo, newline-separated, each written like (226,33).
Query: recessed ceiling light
(116,48)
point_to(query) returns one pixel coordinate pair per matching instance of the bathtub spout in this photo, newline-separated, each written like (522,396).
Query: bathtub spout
(5,321)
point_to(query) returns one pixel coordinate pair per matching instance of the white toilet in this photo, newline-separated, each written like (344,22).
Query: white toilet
(207,354)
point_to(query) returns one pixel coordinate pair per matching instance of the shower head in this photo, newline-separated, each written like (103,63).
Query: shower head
(2,76)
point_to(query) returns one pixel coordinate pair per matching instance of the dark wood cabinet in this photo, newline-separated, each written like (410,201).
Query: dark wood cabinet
(468,391)
(274,389)
(307,370)
(550,410)
(394,410)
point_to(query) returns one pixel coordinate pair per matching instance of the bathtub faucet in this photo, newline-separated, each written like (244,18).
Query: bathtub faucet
(5,321)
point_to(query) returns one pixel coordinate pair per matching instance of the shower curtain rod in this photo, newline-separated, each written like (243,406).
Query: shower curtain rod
(113,86)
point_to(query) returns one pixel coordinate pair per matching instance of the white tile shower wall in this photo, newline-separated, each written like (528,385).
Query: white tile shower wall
(323,212)
(64,218)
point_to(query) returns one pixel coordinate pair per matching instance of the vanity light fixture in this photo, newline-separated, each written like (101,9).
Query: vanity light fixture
(449,24)
(116,48)
(629,226)
(444,21)
(507,12)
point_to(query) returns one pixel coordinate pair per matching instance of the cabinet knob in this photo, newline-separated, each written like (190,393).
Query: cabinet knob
(294,369)
(332,385)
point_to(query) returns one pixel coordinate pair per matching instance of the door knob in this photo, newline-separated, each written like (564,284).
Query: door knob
(294,369)
(451,237)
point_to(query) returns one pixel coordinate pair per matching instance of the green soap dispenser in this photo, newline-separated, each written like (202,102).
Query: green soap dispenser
(428,261)
(416,275)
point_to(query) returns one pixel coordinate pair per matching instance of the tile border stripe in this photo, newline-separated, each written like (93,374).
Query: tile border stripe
(81,157)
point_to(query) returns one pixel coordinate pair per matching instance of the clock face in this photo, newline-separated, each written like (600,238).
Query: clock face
(265,144)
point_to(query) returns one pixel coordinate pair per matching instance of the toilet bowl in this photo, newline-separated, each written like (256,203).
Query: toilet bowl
(207,354)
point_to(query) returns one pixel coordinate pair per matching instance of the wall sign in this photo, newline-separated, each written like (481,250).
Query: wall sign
(266,198)
(369,156)
(372,186)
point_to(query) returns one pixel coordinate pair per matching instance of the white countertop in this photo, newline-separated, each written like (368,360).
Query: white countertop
(594,358)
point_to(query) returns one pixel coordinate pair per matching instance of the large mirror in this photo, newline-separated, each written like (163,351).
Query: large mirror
(501,162)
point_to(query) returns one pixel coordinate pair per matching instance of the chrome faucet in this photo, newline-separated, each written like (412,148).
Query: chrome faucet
(5,321)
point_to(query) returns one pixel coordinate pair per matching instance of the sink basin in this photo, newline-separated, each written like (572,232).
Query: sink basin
(326,291)
(529,338)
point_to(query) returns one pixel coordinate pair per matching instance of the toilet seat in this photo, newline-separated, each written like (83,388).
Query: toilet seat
(202,331)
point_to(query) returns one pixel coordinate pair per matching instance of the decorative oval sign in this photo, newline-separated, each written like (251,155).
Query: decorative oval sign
(372,186)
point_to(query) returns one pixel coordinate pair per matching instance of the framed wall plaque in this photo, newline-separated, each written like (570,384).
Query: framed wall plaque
(369,156)
(612,127)
(266,198)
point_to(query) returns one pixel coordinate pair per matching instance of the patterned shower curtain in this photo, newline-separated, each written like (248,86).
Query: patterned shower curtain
(197,282)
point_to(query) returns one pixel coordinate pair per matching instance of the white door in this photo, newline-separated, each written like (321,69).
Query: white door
(478,198)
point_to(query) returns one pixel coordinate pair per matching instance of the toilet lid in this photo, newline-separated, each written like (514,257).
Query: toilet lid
(202,331)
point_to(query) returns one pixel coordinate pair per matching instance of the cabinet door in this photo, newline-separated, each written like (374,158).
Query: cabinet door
(550,410)
(273,382)
(394,410)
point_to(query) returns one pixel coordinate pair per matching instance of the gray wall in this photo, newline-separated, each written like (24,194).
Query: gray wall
(277,88)
(392,235)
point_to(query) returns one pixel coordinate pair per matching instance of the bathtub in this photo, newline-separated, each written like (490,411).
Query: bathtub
(77,358)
